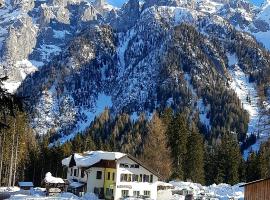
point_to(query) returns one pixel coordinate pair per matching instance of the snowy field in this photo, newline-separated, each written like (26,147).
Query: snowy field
(214,192)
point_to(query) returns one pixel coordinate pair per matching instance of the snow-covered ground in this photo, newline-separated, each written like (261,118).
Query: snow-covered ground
(248,95)
(220,192)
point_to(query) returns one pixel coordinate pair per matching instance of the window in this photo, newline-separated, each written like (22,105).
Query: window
(136,193)
(129,178)
(145,178)
(135,178)
(124,165)
(134,166)
(151,178)
(109,192)
(82,173)
(113,176)
(108,176)
(75,172)
(71,171)
(146,193)
(141,178)
(125,177)
(99,174)
(125,193)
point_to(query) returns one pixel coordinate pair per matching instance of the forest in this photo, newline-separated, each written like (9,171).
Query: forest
(169,142)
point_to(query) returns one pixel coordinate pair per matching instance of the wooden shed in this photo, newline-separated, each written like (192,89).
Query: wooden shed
(257,190)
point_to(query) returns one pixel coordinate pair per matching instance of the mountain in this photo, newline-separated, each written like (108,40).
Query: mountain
(76,58)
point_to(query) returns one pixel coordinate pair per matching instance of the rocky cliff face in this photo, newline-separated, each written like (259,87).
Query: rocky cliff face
(166,57)
(33,32)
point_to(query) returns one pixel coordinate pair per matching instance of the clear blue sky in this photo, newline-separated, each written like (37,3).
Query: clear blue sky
(120,2)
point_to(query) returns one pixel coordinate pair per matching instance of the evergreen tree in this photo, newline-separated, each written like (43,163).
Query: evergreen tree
(194,166)
(177,133)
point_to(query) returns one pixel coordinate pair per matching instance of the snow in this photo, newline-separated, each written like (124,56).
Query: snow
(11,86)
(9,189)
(221,191)
(62,196)
(50,179)
(246,90)
(134,116)
(201,107)
(263,15)
(60,34)
(263,37)
(103,102)
(26,184)
(92,157)
(25,68)
(209,6)
(48,51)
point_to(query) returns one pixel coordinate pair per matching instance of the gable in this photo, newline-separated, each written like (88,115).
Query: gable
(72,162)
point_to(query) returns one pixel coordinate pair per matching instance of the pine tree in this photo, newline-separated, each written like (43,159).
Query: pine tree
(194,164)
(177,133)
(156,152)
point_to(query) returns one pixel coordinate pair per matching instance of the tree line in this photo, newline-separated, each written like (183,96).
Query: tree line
(169,142)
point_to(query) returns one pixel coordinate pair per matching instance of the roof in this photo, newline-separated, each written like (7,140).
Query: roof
(164,184)
(53,180)
(90,158)
(253,182)
(26,184)
(76,184)
(145,166)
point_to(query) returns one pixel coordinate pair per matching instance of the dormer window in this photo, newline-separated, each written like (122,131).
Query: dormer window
(122,165)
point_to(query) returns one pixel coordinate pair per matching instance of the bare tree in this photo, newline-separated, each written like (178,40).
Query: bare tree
(12,156)
(16,158)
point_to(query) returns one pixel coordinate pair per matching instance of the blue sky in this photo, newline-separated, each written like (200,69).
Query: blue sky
(120,2)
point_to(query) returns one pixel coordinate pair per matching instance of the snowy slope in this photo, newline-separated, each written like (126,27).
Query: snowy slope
(247,93)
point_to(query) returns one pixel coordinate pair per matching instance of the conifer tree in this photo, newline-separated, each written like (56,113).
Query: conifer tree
(194,164)
(156,151)
(177,133)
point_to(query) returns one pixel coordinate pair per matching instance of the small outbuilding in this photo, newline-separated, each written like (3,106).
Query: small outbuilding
(257,190)
(26,185)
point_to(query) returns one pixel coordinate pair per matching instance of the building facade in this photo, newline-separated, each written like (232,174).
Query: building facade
(257,190)
(111,175)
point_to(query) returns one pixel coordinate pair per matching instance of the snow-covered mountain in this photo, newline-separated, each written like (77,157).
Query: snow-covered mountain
(85,56)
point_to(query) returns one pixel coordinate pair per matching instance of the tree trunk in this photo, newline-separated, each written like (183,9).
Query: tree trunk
(15,164)
(12,157)
(2,156)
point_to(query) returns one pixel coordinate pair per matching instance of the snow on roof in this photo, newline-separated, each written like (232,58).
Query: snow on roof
(164,184)
(90,158)
(26,184)
(50,179)
(76,184)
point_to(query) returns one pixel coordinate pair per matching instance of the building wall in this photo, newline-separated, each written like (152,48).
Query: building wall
(109,183)
(134,186)
(258,191)
(78,176)
(92,181)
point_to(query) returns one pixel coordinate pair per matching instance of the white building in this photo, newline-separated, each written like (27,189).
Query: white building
(110,175)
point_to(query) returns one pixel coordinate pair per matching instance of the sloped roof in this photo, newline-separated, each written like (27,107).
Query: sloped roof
(253,182)
(90,158)
(26,184)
